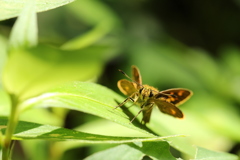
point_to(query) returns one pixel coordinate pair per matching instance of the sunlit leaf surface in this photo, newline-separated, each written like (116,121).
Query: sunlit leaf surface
(206,154)
(12,8)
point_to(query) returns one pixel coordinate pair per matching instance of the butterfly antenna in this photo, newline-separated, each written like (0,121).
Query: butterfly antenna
(125,74)
(128,77)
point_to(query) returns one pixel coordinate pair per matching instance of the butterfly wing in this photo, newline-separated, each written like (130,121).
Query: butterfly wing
(168,108)
(126,87)
(176,96)
(136,76)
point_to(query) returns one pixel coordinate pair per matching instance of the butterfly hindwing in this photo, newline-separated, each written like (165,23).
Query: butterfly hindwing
(169,108)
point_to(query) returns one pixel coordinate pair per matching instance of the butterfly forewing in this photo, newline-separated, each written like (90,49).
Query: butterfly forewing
(126,87)
(177,96)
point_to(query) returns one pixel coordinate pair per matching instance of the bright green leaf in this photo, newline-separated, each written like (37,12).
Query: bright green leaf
(89,98)
(206,154)
(12,8)
(24,32)
(86,97)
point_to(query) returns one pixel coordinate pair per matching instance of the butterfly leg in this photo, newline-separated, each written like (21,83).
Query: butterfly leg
(127,99)
(143,108)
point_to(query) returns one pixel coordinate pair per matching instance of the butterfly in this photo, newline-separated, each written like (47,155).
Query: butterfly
(147,96)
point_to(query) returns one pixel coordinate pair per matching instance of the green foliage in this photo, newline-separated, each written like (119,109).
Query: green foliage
(41,84)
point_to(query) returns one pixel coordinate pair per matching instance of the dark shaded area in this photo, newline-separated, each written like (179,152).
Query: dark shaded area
(79,153)
(206,24)
(235,149)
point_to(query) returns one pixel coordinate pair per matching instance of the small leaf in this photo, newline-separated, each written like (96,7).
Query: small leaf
(12,8)
(24,32)
(206,154)
(155,150)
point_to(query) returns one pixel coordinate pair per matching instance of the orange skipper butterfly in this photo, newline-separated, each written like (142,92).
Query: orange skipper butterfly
(147,96)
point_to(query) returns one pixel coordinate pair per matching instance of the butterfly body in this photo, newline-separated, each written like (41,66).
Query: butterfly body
(147,96)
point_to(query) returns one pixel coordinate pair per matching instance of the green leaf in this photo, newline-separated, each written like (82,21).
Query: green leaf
(89,98)
(24,32)
(12,8)
(86,97)
(155,150)
(28,130)
(44,67)
(206,154)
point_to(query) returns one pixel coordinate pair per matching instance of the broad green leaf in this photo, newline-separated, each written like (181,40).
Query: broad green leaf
(89,98)
(155,150)
(206,154)
(29,72)
(12,8)
(86,97)
(24,32)
(28,130)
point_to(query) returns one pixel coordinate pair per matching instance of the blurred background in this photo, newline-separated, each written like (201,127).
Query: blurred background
(175,44)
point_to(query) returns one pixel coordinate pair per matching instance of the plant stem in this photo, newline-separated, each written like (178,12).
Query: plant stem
(12,122)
